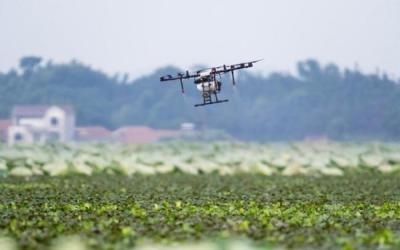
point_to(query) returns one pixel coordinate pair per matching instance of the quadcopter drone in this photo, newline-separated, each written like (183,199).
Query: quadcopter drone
(206,80)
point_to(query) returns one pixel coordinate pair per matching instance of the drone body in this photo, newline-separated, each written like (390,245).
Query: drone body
(206,81)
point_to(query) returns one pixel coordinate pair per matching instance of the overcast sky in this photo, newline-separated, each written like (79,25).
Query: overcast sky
(138,36)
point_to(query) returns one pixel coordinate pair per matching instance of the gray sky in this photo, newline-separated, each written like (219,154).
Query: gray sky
(138,36)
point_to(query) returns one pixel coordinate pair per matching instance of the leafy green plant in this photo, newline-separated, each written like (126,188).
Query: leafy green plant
(359,210)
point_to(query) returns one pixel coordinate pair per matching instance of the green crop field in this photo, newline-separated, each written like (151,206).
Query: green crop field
(200,196)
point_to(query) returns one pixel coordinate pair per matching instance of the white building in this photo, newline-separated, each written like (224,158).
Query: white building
(41,124)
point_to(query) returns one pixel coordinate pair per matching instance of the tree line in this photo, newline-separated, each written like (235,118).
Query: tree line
(320,100)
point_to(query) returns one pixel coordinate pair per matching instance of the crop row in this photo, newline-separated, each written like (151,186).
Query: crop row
(225,158)
(117,212)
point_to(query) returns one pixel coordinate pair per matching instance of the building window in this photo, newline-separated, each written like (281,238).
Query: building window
(54,121)
(18,137)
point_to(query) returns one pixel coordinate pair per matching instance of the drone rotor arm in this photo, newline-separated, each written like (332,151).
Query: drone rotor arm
(179,76)
(214,71)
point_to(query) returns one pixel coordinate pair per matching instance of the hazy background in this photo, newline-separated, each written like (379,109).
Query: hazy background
(139,36)
(331,68)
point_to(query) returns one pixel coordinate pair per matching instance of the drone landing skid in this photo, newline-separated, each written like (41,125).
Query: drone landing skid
(207,99)
(209,103)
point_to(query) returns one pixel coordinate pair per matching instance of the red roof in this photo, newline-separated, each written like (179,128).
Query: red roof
(4,124)
(141,134)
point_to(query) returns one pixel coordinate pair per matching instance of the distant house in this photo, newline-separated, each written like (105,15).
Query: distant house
(4,125)
(188,126)
(142,134)
(92,133)
(31,124)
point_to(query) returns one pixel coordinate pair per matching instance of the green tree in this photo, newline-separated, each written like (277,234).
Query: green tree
(323,100)
(29,63)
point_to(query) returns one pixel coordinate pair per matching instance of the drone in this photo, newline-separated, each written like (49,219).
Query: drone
(206,80)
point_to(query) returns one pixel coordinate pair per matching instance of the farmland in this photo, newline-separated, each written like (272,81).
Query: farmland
(216,196)
(224,158)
